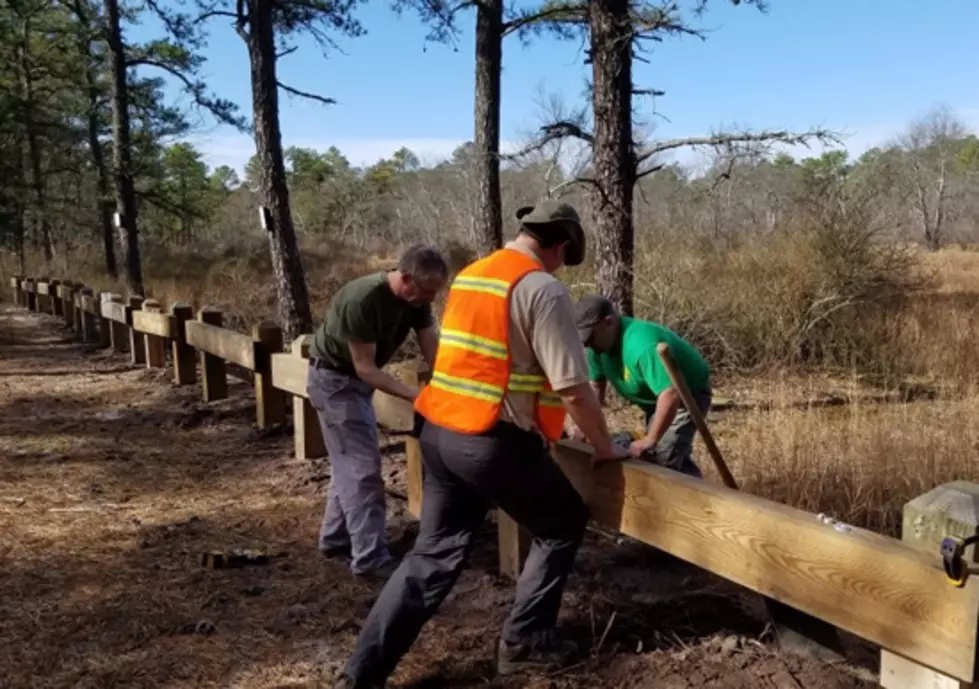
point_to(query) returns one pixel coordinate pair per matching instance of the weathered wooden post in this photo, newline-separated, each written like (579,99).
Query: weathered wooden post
(118,337)
(214,376)
(308,437)
(15,289)
(64,298)
(88,308)
(137,343)
(77,303)
(951,509)
(156,346)
(41,295)
(184,359)
(30,289)
(270,404)
(54,301)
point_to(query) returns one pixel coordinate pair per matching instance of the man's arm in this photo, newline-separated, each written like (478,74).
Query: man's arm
(362,354)
(600,386)
(559,352)
(428,342)
(667,403)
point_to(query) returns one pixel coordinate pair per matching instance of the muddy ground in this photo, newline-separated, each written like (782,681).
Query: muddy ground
(114,481)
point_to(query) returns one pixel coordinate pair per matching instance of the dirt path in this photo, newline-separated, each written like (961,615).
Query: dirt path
(113,482)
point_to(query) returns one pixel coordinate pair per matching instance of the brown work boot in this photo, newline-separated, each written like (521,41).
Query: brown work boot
(545,652)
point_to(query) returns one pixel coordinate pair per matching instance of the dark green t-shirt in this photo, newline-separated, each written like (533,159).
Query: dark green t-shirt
(633,366)
(366,310)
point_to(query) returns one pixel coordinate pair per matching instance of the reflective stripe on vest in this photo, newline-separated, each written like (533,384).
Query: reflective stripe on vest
(472,373)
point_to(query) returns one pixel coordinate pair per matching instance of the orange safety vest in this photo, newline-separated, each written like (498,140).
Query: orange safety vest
(472,367)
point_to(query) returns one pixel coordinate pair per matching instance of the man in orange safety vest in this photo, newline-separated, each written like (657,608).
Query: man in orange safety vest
(509,367)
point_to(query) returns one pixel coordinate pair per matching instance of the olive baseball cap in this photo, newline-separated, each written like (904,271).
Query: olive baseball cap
(558,213)
(589,312)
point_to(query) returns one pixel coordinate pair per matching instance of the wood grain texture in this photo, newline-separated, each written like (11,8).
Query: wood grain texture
(183,355)
(270,403)
(158,324)
(873,586)
(113,311)
(211,344)
(222,343)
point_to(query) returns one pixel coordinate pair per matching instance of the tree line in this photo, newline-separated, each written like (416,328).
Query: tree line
(91,149)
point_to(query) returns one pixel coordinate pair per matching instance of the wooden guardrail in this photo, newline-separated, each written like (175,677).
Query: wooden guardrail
(891,592)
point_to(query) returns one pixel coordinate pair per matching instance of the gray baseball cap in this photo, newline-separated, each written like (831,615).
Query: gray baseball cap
(589,312)
(558,213)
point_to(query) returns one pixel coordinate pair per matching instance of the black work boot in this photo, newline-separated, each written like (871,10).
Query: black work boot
(544,652)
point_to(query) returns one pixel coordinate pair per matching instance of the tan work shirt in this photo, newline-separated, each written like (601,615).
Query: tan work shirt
(543,340)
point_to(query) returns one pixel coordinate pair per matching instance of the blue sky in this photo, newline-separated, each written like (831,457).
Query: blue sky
(860,67)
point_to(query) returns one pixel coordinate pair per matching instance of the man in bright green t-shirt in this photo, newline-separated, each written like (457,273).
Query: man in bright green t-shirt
(622,351)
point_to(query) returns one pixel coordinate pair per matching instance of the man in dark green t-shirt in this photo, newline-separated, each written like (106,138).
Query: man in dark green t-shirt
(367,320)
(622,351)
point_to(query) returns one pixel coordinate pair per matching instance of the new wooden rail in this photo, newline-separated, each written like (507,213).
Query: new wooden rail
(890,592)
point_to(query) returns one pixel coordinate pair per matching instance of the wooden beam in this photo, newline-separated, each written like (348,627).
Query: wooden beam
(114,309)
(118,337)
(872,586)
(151,322)
(223,343)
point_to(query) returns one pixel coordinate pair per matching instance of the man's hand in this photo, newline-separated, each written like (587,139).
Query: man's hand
(614,452)
(638,447)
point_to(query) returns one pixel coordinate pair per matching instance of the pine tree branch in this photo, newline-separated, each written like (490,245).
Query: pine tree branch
(721,140)
(304,94)
(553,132)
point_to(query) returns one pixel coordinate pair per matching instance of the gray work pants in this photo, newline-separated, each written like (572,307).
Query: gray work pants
(464,476)
(675,449)
(355,506)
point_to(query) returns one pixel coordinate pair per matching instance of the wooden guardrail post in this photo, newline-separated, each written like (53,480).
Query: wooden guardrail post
(137,343)
(308,437)
(77,310)
(156,346)
(118,337)
(31,284)
(951,509)
(214,376)
(184,359)
(15,289)
(88,318)
(41,303)
(54,301)
(64,299)
(270,403)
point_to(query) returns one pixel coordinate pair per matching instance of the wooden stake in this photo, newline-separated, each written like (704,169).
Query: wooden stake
(54,302)
(184,359)
(89,331)
(118,336)
(270,404)
(214,376)
(137,343)
(414,469)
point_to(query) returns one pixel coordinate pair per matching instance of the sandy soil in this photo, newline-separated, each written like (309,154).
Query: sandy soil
(114,481)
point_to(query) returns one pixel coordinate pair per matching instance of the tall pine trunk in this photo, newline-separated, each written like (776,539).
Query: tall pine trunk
(615,171)
(290,278)
(34,149)
(121,153)
(489,63)
(95,146)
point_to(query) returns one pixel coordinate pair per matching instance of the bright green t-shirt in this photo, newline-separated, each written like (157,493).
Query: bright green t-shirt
(633,367)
